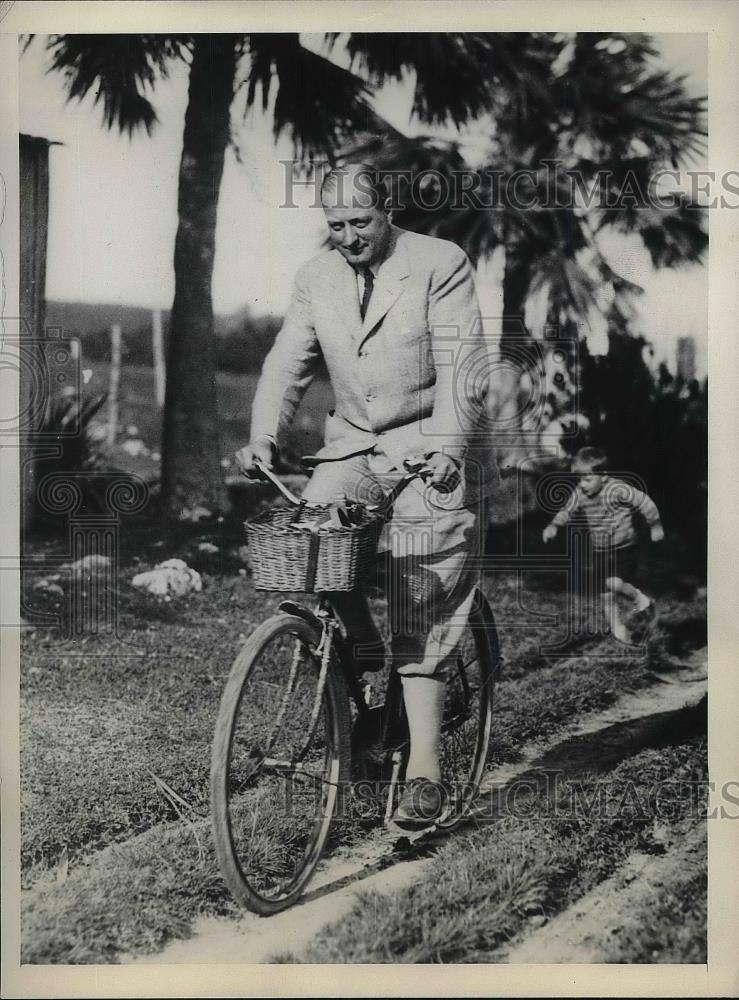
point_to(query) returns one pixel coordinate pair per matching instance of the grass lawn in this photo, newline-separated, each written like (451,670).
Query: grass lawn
(99,723)
(116,735)
(483,888)
(667,924)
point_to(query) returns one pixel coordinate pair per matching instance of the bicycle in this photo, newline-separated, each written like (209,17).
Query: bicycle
(298,748)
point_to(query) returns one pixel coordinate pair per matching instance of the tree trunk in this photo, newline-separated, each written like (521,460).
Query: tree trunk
(191,471)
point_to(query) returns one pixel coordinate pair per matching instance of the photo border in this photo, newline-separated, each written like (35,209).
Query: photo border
(720,20)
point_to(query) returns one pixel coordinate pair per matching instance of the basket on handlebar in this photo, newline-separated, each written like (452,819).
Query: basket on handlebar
(285,554)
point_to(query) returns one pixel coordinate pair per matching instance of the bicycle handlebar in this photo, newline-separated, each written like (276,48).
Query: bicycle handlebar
(268,474)
(415,467)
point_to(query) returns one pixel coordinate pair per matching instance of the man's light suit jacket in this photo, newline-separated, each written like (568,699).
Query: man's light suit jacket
(410,377)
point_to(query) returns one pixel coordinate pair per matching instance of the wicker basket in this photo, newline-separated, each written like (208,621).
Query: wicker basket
(285,556)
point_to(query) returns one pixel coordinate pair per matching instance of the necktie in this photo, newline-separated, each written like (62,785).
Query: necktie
(369,281)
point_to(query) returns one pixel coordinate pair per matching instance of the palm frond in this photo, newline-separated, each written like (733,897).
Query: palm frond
(451,81)
(614,94)
(316,102)
(674,236)
(571,289)
(117,70)
(673,229)
(458,75)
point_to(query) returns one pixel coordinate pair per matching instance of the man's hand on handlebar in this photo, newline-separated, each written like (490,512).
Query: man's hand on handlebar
(263,449)
(436,469)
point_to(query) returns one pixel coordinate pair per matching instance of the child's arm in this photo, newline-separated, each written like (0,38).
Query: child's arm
(648,510)
(561,517)
(549,532)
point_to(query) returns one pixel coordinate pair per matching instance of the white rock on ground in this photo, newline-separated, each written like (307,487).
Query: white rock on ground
(134,447)
(197,513)
(172,577)
(88,565)
(49,587)
(97,432)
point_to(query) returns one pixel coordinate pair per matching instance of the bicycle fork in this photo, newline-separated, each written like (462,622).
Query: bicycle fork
(393,735)
(394,781)
(392,726)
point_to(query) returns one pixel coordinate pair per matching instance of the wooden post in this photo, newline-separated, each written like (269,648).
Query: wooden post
(157,347)
(686,358)
(35,391)
(115,377)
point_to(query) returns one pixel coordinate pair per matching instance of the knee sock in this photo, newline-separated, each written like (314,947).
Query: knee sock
(613,615)
(424,705)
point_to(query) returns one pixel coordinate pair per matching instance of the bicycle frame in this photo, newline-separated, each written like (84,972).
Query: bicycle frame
(300,658)
(394,731)
(395,739)
(325,621)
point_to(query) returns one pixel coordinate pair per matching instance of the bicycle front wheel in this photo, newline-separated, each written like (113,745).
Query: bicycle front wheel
(279,763)
(468,710)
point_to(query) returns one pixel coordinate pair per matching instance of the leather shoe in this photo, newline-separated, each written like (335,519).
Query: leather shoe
(423,803)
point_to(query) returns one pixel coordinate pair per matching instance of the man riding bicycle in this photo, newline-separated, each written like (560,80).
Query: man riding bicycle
(394,315)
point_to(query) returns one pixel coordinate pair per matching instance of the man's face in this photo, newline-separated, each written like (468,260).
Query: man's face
(358,230)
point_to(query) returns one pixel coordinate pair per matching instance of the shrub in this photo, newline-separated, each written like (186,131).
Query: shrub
(68,422)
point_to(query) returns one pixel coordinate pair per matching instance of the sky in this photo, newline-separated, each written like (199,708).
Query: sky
(112,212)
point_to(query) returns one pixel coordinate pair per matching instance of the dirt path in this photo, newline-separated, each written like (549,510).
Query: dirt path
(373,865)
(255,940)
(583,933)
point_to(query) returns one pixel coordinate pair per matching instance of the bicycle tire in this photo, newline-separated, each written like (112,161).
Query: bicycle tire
(464,748)
(267,853)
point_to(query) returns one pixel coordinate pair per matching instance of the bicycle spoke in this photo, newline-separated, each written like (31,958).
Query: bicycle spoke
(277,787)
(294,667)
(320,687)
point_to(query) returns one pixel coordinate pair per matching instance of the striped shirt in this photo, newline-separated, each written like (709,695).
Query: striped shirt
(609,513)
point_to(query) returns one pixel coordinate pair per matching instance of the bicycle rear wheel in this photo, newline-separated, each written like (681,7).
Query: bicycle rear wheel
(468,710)
(280,760)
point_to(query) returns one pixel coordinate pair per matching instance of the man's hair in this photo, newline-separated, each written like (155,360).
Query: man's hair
(591,459)
(365,178)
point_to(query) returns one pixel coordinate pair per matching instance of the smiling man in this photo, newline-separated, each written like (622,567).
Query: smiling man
(394,316)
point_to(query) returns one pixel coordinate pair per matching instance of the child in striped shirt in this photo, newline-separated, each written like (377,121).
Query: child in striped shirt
(607,506)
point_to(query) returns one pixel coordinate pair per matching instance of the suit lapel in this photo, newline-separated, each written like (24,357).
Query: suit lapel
(388,286)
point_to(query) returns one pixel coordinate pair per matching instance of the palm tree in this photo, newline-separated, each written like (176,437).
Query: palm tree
(313,100)
(596,105)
